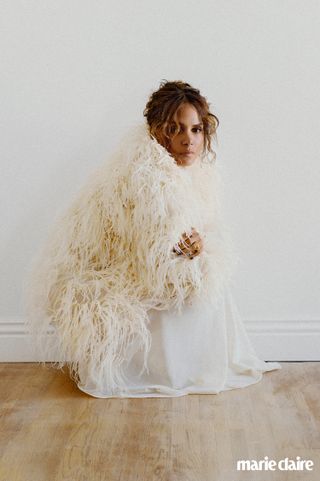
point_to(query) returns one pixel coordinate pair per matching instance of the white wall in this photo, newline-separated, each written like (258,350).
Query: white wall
(75,74)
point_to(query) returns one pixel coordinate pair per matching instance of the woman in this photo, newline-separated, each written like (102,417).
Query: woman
(135,277)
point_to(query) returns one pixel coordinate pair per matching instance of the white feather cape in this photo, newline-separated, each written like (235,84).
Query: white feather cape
(109,259)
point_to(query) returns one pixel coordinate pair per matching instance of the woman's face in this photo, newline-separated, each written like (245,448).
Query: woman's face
(188,143)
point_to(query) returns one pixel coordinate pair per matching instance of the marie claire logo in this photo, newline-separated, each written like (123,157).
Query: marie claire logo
(267,464)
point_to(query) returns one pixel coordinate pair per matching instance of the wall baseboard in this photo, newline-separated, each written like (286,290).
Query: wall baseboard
(272,340)
(297,340)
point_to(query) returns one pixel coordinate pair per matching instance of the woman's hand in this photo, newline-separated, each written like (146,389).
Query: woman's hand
(189,245)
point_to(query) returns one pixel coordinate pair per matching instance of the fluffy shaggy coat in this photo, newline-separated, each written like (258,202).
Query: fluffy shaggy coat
(109,258)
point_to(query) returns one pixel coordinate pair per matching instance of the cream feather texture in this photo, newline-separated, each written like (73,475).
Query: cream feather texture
(108,259)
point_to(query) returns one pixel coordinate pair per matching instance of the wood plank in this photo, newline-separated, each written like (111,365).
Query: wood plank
(52,431)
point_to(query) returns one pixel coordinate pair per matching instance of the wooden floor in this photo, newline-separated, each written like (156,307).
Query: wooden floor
(52,431)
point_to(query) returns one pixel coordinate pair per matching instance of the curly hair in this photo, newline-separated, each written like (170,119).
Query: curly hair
(161,112)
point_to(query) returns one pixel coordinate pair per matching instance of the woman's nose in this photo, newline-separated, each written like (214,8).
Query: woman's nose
(187,138)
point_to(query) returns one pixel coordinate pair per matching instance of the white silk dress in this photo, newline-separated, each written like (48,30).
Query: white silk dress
(203,350)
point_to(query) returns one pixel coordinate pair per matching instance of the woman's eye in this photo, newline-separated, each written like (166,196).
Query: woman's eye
(179,131)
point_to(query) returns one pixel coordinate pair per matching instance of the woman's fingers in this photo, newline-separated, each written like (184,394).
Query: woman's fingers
(190,243)
(191,237)
(193,249)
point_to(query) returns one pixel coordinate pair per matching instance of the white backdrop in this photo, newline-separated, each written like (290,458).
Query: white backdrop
(76,74)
